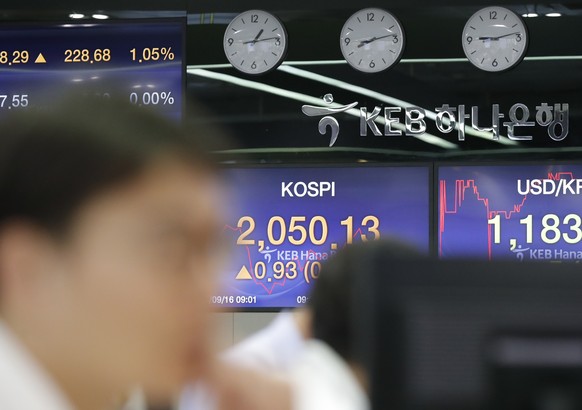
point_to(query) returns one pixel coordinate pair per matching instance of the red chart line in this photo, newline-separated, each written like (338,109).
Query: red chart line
(300,266)
(461,187)
(251,266)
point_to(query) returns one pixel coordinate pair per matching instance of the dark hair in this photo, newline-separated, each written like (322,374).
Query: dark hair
(53,160)
(332,300)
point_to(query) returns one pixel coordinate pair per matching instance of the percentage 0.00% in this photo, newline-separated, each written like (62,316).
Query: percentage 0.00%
(151,98)
(152,54)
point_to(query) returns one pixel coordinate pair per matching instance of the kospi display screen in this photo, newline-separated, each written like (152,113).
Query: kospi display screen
(523,212)
(140,62)
(285,222)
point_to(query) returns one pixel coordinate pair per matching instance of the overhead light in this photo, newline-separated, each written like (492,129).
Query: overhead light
(530,15)
(554,14)
(100,16)
(76,16)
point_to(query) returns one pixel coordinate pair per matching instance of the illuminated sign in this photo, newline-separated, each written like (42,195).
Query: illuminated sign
(524,212)
(138,61)
(286,221)
(448,119)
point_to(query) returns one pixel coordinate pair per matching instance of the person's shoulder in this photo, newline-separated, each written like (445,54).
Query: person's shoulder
(321,379)
(273,348)
(23,383)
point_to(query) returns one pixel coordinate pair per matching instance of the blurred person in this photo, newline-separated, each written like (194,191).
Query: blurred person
(271,351)
(328,374)
(109,224)
(276,347)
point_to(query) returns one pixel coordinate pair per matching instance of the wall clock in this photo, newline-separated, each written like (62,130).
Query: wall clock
(372,40)
(255,42)
(495,39)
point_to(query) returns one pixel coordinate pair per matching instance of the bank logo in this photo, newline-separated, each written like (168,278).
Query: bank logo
(517,250)
(327,120)
(463,119)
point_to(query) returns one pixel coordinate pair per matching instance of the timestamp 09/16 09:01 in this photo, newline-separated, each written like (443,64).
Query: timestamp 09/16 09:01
(248,300)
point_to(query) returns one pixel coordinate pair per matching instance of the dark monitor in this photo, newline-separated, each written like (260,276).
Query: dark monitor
(471,335)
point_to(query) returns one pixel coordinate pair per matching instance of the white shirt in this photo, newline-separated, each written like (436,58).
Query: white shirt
(24,385)
(322,380)
(273,349)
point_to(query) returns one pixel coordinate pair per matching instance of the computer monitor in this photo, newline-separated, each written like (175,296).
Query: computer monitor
(285,221)
(452,335)
(139,61)
(519,211)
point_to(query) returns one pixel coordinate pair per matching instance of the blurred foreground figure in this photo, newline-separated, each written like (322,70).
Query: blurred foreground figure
(327,372)
(108,246)
(273,351)
(330,374)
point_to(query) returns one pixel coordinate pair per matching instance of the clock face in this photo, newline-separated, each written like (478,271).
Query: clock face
(255,42)
(495,39)
(372,40)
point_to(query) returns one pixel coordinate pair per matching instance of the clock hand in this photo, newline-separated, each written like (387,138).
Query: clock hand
(364,42)
(263,39)
(507,35)
(254,40)
(258,35)
(498,37)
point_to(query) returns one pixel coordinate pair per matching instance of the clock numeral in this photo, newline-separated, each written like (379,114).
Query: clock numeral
(254,18)
(469,39)
(230,41)
(395,39)
(518,38)
(278,42)
(254,65)
(370,16)
(372,64)
(492,15)
(347,40)
(494,63)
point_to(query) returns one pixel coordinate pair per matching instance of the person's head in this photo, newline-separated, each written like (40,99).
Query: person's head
(332,299)
(109,217)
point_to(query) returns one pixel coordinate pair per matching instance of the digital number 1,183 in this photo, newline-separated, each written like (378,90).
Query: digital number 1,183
(550,233)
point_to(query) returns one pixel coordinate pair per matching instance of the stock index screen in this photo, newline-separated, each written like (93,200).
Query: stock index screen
(523,212)
(139,61)
(285,222)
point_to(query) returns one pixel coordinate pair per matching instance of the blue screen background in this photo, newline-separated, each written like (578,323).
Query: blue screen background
(398,196)
(43,83)
(469,195)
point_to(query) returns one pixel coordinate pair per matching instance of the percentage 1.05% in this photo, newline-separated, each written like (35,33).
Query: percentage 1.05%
(152,54)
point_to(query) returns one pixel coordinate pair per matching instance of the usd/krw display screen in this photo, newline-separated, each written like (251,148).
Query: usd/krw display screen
(140,62)
(285,222)
(523,212)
